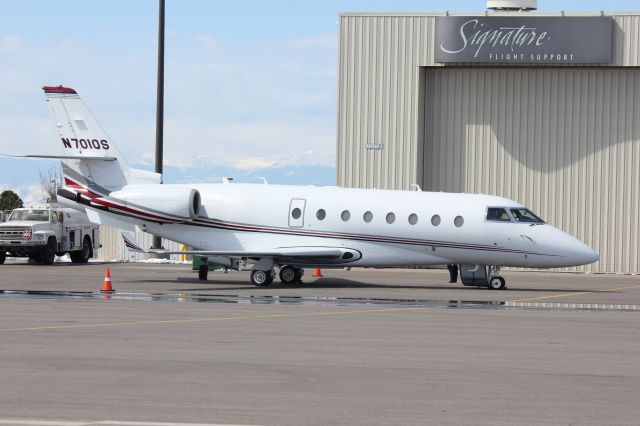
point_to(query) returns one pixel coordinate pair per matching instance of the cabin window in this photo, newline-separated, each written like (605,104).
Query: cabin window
(296,213)
(367,217)
(413,218)
(321,214)
(346,215)
(435,220)
(391,218)
(458,221)
(497,214)
(525,215)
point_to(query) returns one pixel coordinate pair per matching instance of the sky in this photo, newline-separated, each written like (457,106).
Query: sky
(250,86)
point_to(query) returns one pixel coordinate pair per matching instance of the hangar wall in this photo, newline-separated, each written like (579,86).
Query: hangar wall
(113,248)
(562,139)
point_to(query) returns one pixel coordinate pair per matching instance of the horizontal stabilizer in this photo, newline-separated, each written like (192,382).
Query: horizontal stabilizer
(101,218)
(62,157)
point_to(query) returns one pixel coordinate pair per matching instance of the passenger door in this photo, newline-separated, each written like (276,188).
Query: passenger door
(296,212)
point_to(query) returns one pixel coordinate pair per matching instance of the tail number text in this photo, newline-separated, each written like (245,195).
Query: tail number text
(85,143)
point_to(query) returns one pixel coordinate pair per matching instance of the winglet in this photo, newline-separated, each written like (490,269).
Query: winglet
(131,245)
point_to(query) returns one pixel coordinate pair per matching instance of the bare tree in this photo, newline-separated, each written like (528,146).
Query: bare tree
(50,181)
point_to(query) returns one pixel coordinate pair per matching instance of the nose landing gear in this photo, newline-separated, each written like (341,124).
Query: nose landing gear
(482,276)
(495,281)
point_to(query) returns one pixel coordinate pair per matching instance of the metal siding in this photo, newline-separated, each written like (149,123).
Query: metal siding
(575,159)
(113,248)
(561,139)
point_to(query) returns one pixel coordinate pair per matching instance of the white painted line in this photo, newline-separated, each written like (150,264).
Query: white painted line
(33,422)
(40,422)
(117,423)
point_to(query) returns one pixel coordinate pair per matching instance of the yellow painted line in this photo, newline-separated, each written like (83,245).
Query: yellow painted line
(580,293)
(212,319)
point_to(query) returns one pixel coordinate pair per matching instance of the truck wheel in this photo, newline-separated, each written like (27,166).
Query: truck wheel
(82,256)
(3,257)
(49,253)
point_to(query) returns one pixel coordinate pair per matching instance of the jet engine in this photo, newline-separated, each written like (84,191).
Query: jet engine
(159,201)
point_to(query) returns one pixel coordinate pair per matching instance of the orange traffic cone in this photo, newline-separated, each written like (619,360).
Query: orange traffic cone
(317,273)
(106,287)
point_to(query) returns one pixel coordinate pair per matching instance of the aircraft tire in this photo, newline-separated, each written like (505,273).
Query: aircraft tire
(203,272)
(497,283)
(289,275)
(261,278)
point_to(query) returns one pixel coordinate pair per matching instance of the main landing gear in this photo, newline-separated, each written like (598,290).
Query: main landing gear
(262,278)
(288,275)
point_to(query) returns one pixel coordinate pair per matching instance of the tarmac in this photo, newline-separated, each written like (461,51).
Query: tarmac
(359,347)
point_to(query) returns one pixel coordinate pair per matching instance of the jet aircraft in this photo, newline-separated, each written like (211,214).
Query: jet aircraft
(292,227)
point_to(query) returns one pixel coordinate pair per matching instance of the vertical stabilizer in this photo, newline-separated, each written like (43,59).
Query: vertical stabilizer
(92,159)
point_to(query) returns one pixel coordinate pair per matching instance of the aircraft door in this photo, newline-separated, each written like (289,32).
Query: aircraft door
(296,212)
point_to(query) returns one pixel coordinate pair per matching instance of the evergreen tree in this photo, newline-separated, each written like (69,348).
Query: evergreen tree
(9,200)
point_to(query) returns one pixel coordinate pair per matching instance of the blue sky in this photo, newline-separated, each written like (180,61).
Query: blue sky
(250,85)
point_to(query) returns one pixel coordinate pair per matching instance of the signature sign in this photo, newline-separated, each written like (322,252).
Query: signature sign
(524,39)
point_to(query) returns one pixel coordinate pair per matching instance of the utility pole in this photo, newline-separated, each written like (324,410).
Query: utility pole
(157,241)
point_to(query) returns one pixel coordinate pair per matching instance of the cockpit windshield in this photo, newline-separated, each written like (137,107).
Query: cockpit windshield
(497,214)
(30,214)
(506,214)
(525,216)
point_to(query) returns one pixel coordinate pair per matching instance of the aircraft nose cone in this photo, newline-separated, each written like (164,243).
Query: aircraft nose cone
(571,251)
(583,254)
(590,255)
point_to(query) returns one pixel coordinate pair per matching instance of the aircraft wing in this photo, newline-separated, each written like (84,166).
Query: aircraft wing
(289,254)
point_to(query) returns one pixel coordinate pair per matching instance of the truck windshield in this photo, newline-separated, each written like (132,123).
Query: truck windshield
(33,215)
(525,216)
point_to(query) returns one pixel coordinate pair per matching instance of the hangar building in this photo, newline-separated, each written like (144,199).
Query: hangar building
(540,108)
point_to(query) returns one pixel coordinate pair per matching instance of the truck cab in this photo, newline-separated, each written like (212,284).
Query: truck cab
(41,233)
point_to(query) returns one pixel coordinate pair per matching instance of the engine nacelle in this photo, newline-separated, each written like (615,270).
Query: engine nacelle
(178,201)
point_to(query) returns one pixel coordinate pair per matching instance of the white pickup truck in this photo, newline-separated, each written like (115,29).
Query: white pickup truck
(41,233)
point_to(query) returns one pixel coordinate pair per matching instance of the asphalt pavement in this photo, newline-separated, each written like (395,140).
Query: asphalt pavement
(362,347)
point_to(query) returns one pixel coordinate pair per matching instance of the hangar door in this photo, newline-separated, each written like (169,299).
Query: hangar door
(563,141)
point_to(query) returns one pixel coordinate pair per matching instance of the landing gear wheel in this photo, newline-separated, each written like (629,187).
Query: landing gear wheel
(3,257)
(82,256)
(49,253)
(261,278)
(497,283)
(203,271)
(290,275)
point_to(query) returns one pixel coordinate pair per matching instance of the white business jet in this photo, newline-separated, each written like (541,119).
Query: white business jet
(290,227)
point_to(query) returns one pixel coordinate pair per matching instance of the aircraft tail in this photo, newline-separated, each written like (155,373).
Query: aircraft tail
(90,158)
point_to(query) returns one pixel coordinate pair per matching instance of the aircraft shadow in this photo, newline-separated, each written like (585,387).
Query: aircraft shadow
(329,283)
